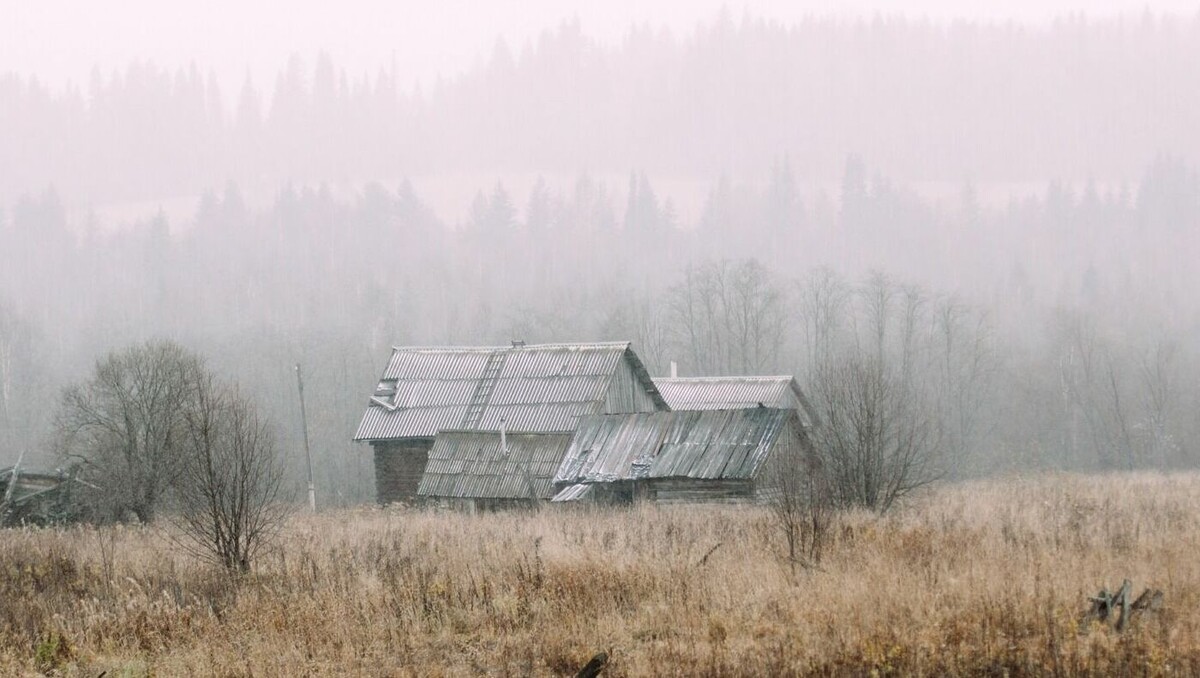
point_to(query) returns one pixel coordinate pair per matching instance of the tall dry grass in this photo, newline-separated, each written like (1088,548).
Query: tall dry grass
(985,578)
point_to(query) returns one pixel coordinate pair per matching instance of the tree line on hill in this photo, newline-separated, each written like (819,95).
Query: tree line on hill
(998,102)
(1056,331)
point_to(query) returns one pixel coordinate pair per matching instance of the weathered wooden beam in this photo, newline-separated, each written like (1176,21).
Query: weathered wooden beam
(1150,600)
(1104,603)
(1101,605)
(1122,599)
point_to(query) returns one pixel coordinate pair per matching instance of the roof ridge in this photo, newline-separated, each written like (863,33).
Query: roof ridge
(525,347)
(760,377)
(707,412)
(496,431)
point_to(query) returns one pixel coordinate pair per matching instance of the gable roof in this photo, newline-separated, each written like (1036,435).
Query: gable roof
(474,464)
(707,444)
(735,392)
(539,387)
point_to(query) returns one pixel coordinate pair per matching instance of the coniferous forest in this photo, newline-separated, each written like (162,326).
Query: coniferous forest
(1016,208)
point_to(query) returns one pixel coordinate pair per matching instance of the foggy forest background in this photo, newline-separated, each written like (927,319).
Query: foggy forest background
(731,199)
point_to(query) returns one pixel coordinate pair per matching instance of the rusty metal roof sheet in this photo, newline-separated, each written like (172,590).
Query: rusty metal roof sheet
(704,444)
(541,387)
(729,393)
(474,465)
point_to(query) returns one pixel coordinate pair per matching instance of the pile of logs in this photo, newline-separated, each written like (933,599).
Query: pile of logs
(1104,604)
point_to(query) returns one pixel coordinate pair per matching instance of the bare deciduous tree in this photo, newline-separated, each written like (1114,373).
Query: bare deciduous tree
(879,435)
(878,439)
(729,317)
(8,340)
(1159,377)
(966,364)
(802,505)
(637,316)
(822,300)
(1098,395)
(23,395)
(231,487)
(126,425)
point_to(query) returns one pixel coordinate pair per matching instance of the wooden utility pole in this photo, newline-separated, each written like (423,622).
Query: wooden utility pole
(312,490)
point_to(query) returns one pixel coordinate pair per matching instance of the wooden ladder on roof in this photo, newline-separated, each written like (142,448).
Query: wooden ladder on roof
(483,391)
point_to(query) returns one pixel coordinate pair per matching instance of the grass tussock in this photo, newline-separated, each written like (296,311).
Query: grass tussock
(986,578)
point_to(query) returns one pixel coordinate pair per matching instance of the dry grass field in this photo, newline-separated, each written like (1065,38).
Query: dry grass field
(984,578)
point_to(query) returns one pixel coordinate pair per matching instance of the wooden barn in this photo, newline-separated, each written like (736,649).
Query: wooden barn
(539,388)
(487,470)
(722,456)
(731,393)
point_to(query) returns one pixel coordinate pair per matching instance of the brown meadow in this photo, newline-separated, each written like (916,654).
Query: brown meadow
(979,578)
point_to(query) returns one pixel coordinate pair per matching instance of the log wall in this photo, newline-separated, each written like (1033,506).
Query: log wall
(695,491)
(399,465)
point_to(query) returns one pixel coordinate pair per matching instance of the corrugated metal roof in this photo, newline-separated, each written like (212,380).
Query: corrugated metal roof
(726,393)
(730,393)
(473,464)
(542,387)
(707,444)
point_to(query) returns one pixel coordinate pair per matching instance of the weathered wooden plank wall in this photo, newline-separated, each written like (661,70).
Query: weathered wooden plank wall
(626,393)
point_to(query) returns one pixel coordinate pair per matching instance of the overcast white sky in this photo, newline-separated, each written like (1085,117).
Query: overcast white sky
(64,39)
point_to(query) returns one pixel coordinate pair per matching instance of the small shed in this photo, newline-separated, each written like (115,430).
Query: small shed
(721,456)
(736,392)
(486,470)
(37,498)
(542,387)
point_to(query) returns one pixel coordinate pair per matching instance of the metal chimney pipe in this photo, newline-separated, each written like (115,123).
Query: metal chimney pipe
(674,370)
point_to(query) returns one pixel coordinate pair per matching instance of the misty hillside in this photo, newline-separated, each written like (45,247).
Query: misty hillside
(1001,104)
(1033,187)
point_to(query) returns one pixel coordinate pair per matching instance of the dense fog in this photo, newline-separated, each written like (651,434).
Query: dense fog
(1010,207)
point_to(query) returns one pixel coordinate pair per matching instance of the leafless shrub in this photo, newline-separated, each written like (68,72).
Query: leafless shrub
(878,440)
(802,506)
(231,487)
(879,430)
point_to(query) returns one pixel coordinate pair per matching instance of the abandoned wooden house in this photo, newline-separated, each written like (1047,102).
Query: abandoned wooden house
(538,388)
(727,456)
(37,498)
(486,470)
(731,393)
